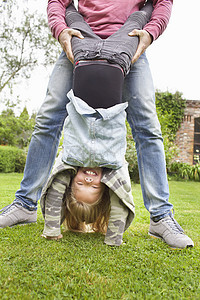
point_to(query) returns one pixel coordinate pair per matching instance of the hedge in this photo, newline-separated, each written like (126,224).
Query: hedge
(12,159)
(184,171)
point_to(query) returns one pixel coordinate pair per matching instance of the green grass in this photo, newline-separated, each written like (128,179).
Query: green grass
(82,267)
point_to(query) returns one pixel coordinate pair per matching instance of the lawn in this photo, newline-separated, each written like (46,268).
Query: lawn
(81,267)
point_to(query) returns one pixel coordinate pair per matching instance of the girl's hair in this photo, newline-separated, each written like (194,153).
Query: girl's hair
(78,215)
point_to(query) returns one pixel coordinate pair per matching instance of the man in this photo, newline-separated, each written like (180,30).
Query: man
(104,17)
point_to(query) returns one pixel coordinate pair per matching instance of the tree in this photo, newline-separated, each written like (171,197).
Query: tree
(26,124)
(25,42)
(170,110)
(16,131)
(9,127)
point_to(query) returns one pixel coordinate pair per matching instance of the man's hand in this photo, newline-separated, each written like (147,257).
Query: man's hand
(145,39)
(65,41)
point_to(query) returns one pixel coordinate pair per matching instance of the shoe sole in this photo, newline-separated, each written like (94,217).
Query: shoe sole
(173,248)
(20,224)
(155,236)
(24,223)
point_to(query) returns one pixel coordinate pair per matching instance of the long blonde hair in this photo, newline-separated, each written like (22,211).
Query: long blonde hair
(78,215)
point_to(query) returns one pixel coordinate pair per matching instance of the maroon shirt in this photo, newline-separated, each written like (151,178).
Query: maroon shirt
(107,16)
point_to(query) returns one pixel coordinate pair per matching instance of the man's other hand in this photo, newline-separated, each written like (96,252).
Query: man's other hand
(145,39)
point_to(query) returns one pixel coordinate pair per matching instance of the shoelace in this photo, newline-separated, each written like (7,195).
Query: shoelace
(174,224)
(7,208)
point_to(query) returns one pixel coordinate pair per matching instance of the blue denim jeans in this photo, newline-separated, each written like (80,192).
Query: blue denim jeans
(141,114)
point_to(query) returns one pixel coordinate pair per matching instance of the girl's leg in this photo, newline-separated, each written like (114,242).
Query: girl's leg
(119,48)
(87,48)
(120,45)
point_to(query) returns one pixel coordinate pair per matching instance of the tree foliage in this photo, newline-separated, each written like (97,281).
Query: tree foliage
(25,42)
(12,159)
(170,110)
(16,131)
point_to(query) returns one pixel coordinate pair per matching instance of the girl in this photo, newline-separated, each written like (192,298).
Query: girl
(111,212)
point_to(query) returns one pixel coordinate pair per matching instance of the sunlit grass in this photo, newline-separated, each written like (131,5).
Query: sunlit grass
(82,267)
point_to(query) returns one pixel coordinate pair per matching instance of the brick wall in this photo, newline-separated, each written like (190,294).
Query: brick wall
(185,134)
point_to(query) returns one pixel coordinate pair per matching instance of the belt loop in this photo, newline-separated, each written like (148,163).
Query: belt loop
(99,47)
(86,53)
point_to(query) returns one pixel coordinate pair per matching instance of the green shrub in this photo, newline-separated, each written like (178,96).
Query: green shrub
(170,110)
(131,156)
(171,151)
(12,159)
(185,171)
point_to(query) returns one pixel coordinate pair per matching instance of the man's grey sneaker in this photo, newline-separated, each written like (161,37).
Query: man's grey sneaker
(15,214)
(170,232)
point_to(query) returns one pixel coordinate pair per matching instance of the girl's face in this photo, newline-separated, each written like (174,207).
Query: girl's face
(87,186)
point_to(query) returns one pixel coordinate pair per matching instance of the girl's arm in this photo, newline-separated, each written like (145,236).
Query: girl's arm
(53,206)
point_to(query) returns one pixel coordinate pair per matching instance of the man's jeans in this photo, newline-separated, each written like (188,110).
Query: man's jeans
(141,114)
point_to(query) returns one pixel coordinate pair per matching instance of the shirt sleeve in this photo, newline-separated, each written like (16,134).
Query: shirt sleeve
(54,203)
(160,17)
(56,16)
(117,221)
